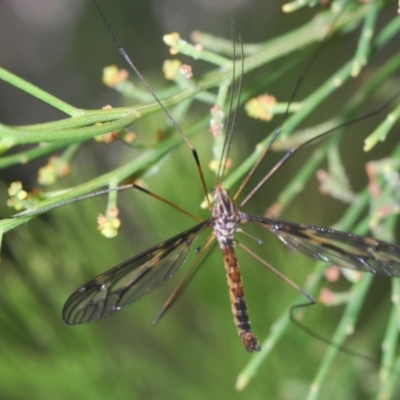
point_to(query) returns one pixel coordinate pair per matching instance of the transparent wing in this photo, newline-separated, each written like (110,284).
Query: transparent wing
(343,249)
(129,281)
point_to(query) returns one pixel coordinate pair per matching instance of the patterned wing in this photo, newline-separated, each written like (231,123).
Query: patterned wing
(343,249)
(129,281)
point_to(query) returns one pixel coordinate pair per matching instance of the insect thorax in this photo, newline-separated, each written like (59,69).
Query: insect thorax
(226,216)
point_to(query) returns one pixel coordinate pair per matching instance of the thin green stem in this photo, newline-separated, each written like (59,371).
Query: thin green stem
(143,162)
(40,94)
(344,329)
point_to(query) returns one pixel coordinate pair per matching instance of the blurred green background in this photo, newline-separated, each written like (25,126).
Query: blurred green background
(194,352)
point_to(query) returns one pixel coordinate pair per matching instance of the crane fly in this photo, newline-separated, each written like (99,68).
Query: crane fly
(134,278)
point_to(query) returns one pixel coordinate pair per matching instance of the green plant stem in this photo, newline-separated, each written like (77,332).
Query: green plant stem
(364,44)
(40,94)
(389,350)
(25,156)
(143,162)
(116,119)
(345,327)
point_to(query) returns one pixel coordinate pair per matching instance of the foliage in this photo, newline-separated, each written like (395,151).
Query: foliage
(195,353)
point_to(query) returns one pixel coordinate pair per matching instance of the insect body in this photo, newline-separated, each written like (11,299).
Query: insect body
(226,218)
(136,277)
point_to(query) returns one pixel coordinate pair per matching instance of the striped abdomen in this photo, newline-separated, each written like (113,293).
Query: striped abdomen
(238,301)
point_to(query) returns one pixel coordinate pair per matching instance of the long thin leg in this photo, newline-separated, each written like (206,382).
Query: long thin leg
(106,191)
(285,115)
(184,281)
(166,112)
(278,273)
(294,150)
